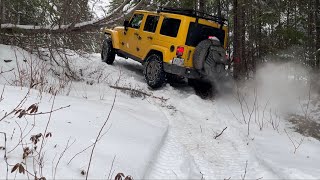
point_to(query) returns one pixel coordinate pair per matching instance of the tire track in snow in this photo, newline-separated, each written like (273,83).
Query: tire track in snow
(191,137)
(173,162)
(190,146)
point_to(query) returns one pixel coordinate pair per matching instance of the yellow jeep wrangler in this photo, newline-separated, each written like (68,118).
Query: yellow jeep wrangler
(186,43)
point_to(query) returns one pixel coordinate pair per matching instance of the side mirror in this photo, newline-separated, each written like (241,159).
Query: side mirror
(126,24)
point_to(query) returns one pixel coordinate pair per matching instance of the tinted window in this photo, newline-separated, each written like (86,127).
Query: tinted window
(151,23)
(170,27)
(136,21)
(199,32)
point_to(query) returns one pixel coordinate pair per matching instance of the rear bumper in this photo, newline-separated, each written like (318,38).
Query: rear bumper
(182,71)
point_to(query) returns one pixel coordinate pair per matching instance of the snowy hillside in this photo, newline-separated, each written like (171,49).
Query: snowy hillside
(169,133)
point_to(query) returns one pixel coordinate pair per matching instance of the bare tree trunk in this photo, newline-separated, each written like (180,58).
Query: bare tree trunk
(317,19)
(202,5)
(1,6)
(259,34)
(236,40)
(242,27)
(219,8)
(2,11)
(252,37)
(311,38)
(1,18)
(288,12)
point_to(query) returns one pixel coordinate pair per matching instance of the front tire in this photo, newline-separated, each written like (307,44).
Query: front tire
(154,72)
(108,53)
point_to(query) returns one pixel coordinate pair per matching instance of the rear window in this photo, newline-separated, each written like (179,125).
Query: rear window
(170,27)
(199,32)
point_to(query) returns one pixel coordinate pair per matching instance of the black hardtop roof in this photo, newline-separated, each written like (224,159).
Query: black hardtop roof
(193,13)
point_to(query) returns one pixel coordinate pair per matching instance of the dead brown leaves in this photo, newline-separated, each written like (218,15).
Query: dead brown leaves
(30,110)
(120,176)
(18,167)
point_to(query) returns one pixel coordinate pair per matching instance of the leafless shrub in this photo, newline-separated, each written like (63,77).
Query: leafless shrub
(247,110)
(31,73)
(253,108)
(305,108)
(110,170)
(5,152)
(99,134)
(296,144)
(260,119)
(20,104)
(32,151)
(274,119)
(60,157)
(243,177)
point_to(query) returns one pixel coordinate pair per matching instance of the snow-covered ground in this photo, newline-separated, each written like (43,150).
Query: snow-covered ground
(172,135)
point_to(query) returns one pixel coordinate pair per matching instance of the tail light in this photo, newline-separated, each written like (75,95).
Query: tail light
(180,51)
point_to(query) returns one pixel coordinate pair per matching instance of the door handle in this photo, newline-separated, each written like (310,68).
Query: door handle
(138,36)
(149,37)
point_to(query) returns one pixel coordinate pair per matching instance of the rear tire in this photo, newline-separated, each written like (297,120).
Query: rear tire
(209,60)
(153,71)
(108,53)
(201,53)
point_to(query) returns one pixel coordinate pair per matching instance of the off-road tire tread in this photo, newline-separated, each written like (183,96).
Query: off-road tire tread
(161,76)
(111,54)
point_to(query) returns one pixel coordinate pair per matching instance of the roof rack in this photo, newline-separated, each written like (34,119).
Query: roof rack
(193,13)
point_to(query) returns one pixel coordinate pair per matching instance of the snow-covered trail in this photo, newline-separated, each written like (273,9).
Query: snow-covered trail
(171,139)
(190,150)
(193,125)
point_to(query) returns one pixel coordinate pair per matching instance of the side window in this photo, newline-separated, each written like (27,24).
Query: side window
(151,23)
(170,27)
(135,21)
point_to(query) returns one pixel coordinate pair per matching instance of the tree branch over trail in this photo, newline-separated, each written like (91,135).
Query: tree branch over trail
(112,17)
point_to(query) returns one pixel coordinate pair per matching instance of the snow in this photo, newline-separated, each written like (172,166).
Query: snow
(162,139)
(99,7)
(131,135)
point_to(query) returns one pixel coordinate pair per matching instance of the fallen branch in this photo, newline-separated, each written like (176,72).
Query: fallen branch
(52,111)
(218,135)
(130,89)
(2,72)
(83,26)
(1,97)
(138,91)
